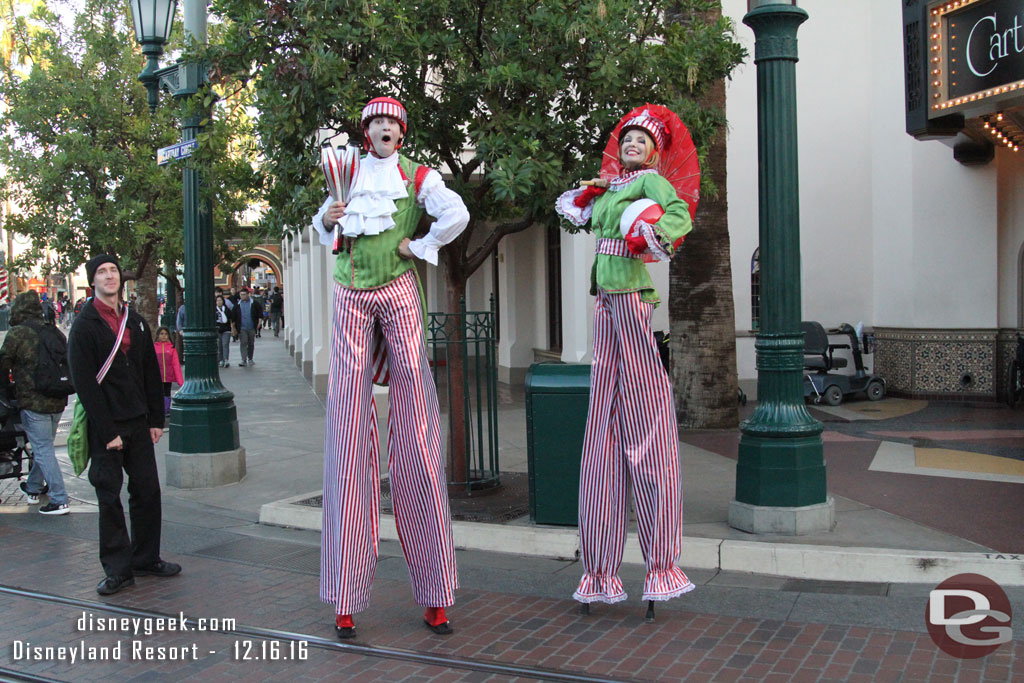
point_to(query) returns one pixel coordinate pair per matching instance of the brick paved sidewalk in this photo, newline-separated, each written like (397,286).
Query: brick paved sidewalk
(525,630)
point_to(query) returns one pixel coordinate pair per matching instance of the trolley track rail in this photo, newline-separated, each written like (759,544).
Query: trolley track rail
(393,653)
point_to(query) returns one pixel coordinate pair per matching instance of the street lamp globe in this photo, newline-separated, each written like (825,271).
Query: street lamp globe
(153,20)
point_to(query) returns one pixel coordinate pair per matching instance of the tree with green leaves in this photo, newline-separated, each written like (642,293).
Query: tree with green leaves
(78,145)
(514,99)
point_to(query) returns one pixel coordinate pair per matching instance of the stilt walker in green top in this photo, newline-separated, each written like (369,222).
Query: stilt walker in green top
(377,291)
(638,213)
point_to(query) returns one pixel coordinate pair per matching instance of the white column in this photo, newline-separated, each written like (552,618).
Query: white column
(522,281)
(577,304)
(322,262)
(305,303)
(288,265)
(292,312)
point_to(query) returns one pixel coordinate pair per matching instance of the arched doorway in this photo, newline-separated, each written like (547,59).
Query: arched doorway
(259,266)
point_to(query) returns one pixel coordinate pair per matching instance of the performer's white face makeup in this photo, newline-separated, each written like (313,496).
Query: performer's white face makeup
(635,146)
(385,135)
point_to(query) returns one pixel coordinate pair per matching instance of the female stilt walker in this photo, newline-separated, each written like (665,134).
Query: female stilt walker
(637,212)
(376,287)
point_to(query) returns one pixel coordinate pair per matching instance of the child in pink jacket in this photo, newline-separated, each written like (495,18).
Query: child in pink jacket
(170,368)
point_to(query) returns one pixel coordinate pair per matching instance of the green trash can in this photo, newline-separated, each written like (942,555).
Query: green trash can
(557,397)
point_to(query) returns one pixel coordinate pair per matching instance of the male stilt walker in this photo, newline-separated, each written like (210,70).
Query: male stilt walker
(376,287)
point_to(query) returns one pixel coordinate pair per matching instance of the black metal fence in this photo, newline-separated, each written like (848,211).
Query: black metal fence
(464,362)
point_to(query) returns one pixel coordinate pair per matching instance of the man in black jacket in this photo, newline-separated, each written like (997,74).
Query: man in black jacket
(126,417)
(248,317)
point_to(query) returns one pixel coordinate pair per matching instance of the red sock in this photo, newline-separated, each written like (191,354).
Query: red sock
(435,616)
(344,621)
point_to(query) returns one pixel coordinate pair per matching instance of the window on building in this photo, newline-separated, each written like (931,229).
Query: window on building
(755,290)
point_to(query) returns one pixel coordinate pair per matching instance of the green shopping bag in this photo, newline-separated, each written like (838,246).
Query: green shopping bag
(78,440)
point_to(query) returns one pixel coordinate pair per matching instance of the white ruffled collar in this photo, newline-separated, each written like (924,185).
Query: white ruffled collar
(618,183)
(374,190)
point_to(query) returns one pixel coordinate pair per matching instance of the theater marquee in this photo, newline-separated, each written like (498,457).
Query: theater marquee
(976,55)
(964,74)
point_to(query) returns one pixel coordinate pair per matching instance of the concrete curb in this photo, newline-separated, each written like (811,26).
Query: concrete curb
(819,562)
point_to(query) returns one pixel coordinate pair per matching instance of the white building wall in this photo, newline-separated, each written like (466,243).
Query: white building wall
(955,240)
(522,283)
(577,304)
(1011,238)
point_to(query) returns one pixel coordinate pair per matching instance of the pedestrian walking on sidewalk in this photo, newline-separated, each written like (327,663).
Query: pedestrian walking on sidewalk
(248,316)
(223,317)
(41,407)
(179,328)
(376,288)
(126,419)
(276,310)
(631,433)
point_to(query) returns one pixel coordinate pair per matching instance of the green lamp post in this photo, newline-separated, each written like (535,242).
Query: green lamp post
(780,473)
(204,448)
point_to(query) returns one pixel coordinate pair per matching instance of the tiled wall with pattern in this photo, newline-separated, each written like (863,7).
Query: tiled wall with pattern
(1006,349)
(937,363)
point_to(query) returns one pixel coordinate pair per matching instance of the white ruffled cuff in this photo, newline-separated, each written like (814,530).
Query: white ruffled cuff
(654,245)
(326,236)
(569,211)
(424,251)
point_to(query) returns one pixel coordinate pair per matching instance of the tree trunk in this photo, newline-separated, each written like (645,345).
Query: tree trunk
(458,456)
(701,314)
(145,291)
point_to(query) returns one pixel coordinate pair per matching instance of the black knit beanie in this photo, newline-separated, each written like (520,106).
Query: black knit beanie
(96,262)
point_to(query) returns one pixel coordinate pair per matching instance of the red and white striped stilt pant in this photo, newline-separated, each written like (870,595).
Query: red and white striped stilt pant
(630,437)
(351,505)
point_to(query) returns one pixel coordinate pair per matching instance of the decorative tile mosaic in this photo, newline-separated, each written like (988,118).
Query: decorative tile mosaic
(954,363)
(1006,348)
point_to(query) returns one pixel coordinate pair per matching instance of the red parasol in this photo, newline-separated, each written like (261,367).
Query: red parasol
(678,165)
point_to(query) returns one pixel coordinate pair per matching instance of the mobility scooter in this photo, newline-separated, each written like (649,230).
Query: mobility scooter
(820,383)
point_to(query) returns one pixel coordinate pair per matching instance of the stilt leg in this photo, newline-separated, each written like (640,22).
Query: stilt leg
(649,617)
(585,609)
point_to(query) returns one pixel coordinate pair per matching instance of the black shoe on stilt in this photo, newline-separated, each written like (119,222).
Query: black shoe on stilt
(436,614)
(649,617)
(585,609)
(344,626)
(444,629)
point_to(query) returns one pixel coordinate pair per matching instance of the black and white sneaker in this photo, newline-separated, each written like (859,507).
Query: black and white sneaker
(33,498)
(55,509)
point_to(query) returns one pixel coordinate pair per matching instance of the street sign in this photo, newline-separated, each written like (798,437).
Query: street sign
(181,150)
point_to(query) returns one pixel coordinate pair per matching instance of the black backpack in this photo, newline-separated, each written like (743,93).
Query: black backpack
(52,376)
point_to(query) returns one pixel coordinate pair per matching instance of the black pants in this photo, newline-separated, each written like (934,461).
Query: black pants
(119,552)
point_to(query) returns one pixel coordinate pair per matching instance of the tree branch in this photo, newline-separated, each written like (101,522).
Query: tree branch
(480,254)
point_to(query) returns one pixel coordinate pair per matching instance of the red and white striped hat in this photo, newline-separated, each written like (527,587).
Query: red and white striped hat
(384,106)
(654,126)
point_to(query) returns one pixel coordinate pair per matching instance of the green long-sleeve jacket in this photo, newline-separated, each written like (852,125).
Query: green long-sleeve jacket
(617,274)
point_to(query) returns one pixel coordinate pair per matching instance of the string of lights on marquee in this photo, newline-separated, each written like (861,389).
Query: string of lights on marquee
(1004,131)
(942,34)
